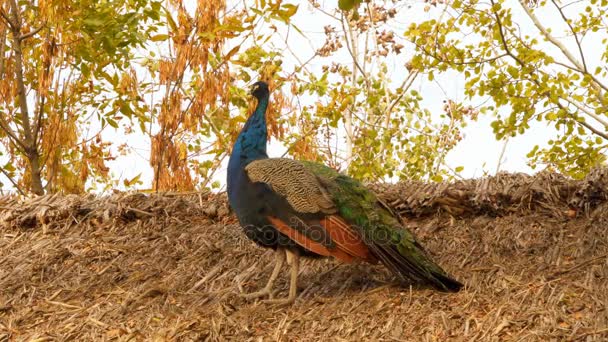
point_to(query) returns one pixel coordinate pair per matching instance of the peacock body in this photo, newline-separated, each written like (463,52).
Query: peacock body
(306,208)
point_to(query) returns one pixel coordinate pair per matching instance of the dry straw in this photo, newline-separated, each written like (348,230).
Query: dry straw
(533,252)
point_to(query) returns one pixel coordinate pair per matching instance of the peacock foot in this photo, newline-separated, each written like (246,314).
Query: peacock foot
(293,260)
(281,301)
(265,292)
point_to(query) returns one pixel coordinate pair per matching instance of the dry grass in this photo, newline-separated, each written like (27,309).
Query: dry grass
(533,253)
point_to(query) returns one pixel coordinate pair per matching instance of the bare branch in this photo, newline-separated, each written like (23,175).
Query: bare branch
(15,184)
(596,84)
(350,50)
(549,37)
(592,129)
(588,112)
(320,9)
(31,33)
(502,155)
(405,86)
(578,42)
(4,16)
(2,46)
(502,37)
(13,136)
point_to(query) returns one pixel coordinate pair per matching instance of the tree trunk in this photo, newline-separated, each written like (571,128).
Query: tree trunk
(34,161)
(28,141)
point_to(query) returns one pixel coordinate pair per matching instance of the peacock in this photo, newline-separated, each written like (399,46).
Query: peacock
(303,208)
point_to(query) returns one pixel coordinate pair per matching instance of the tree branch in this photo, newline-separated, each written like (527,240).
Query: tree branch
(470,62)
(31,33)
(535,81)
(588,112)
(4,15)
(350,50)
(550,38)
(12,135)
(31,148)
(596,84)
(405,86)
(15,184)
(578,42)
(502,37)
(2,46)
(25,120)
(592,129)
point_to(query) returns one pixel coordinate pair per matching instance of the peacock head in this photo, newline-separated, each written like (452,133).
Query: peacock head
(259,90)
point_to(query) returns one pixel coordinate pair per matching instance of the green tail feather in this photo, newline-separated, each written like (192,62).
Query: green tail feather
(394,246)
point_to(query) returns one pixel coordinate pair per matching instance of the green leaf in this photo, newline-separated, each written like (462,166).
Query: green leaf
(94,21)
(170,21)
(437,178)
(347,5)
(112,123)
(159,37)
(132,181)
(289,10)
(9,167)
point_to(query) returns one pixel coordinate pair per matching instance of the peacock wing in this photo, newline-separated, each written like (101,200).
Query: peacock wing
(390,242)
(315,224)
(290,179)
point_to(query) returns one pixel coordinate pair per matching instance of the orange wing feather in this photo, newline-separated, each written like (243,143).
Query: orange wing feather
(346,238)
(349,245)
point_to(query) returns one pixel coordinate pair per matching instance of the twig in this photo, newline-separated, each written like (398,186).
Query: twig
(585,124)
(2,45)
(581,68)
(12,181)
(502,153)
(207,276)
(577,266)
(594,332)
(502,36)
(407,83)
(9,131)
(31,33)
(4,15)
(587,111)
(578,42)
(139,211)
(350,50)
(535,81)
(65,305)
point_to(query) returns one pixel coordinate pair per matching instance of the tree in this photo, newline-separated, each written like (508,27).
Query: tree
(60,64)
(201,80)
(179,76)
(508,53)
(370,108)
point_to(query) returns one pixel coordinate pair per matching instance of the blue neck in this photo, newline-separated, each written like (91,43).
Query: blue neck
(251,143)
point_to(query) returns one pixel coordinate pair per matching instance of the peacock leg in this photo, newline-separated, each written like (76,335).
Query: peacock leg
(293,259)
(267,290)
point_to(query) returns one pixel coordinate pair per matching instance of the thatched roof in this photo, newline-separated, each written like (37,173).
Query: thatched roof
(532,251)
